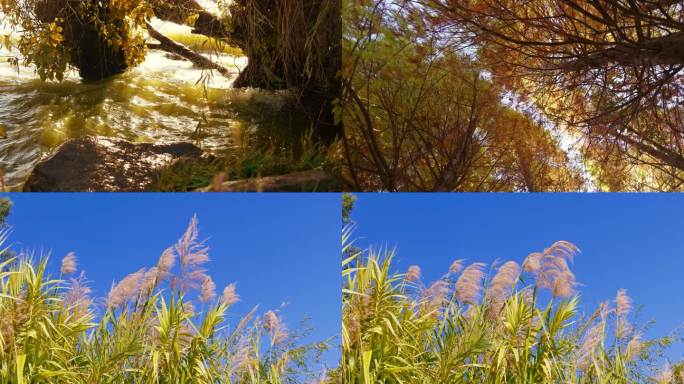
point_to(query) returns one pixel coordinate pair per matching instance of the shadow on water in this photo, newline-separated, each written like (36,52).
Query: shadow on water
(160,101)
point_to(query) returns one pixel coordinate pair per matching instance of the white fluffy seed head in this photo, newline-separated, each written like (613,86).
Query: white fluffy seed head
(633,349)
(502,285)
(69,264)
(469,284)
(126,289)
(456,266)
(623,303)
(207,290)
(230,295)
(413,274)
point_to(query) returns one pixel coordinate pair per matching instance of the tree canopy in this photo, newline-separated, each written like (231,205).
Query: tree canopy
(418,116)
(603,77)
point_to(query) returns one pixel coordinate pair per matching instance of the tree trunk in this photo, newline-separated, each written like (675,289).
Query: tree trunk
(293,44)
(90,53)
(288,43)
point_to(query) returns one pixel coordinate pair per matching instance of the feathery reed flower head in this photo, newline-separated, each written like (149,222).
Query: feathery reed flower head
(604,309)
(281,334)
(665,375)
(149,280)
(189,307)
(192,254)
(624,329)
(563,249)
(592,339)
(564,285)
(271,321)
(623,303)
(434,296)
(552,270)
(126,289)
(502,284)
(78,295)
(456,266)
(230,295)
(69,264)
(273,324)
(242,356)
(532,262)
(469,284)
(634,346)
(413,274)
(208,290)
(165,264)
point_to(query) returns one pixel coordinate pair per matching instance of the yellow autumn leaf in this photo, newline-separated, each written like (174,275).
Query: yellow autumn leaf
(192,19)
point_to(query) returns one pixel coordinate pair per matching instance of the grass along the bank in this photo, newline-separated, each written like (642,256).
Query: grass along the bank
(274,137)
(510,324)
(247,161)
(162,324)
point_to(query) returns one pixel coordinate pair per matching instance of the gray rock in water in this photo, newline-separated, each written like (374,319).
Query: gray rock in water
(101,164)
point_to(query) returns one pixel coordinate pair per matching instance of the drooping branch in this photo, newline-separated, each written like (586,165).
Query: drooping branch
(194,57)
(662,154)
(666,50)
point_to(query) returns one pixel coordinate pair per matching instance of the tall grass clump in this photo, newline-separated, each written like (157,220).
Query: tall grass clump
(162,324)
(507,323)
(296,45)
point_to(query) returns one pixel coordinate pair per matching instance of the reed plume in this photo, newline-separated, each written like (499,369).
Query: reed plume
(634,346)
(434,297)
(54,331)
(78,295)
(501,285)
(469,284)
(517,334)
(592,339)
(149,280)
(127,289)
(551,268)
(275,326)
(413,274)
(192,254)
(69,264)
(532,263)
(166,263)
(665,375)
(230,295)
(456,267)
(207,290)
(271,321)
(623,305)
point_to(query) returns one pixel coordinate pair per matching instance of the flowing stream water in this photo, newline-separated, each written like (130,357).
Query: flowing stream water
(158,101)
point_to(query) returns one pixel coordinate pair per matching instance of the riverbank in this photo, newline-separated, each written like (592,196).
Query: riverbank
(167,99)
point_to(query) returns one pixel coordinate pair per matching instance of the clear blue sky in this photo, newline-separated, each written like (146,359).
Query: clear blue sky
(279,248)
(632,241)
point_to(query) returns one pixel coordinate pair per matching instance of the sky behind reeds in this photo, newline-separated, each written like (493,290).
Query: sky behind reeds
(627,241)
(279,249)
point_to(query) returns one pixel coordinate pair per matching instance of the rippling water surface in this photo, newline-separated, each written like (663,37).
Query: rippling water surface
(158,101)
